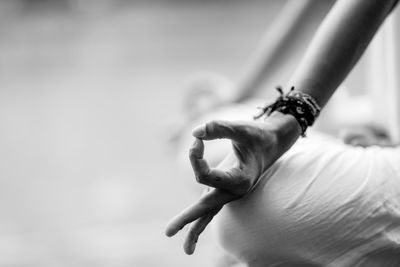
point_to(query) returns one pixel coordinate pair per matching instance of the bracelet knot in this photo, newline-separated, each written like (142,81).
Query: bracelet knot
(298,104)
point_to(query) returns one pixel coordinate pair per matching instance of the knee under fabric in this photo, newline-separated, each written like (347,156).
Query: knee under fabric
(322,204)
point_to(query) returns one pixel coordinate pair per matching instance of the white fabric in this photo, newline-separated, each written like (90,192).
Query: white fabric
(322,204)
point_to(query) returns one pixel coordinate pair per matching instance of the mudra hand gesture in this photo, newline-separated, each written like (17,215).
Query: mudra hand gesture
(256,145)
(334,50)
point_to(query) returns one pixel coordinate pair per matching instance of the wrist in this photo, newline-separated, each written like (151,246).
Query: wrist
(286,128)
(301,106)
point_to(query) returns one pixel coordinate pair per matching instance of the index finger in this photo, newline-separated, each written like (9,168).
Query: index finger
(211,202)
(230,180)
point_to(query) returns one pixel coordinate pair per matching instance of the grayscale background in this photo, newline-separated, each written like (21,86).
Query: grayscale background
(86,90)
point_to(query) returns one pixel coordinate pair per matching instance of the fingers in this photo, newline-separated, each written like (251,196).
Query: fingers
(211,202)
(231,180)
(194,232)
(237,131)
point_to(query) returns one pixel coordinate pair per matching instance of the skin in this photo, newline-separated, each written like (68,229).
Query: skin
(335,49)
(288,31)
(255,148)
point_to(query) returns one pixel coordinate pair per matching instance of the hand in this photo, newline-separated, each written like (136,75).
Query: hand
(256,146)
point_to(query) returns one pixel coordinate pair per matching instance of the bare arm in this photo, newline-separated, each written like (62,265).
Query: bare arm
(335,49)
(273,48)
(337,46)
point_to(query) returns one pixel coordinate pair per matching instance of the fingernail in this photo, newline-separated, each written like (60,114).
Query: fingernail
(199,131)
(190,250)
(170,231)
(196,142)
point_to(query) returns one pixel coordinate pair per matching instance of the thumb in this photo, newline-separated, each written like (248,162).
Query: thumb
(218,129)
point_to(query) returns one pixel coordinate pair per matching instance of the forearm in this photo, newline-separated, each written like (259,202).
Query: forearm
(337,46)
(272,49)
(335,49)
(287,130)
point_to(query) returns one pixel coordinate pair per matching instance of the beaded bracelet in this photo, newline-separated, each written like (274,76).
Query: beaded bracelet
(301,105)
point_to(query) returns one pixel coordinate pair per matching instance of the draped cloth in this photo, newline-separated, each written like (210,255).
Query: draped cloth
(321,204)
(324,203)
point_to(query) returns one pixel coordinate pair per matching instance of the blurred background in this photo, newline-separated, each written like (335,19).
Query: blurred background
(85,87)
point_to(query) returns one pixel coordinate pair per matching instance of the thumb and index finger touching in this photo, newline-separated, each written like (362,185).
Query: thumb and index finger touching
(230,180)
(213,200)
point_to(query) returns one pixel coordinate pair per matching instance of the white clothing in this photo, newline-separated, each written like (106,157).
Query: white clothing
(322,204)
